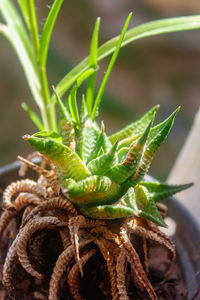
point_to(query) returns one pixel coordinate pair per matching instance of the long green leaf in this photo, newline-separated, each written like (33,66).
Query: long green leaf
(24,10)
(92,63)
(28,12)
(138,32)
(14,22)
(16,34)
(33,25)
(47,30)
(109,69)
(33,116)
(72,96)
(26,63)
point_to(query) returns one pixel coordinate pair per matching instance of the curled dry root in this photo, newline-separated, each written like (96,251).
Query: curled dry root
(42,207)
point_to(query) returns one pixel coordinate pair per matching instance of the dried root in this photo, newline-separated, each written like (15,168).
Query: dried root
(74,224)
(46,208)
(135,263)
(62,264)
(6,216)
(59,203)
(25,234)
(108,257)
(7,268)
(74,274)
(120,269)
(27,186)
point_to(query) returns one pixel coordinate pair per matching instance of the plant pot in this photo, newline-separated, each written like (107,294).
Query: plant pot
(186,232)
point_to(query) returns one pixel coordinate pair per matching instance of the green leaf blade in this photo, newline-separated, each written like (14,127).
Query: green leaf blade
(158,191)
(92,63)
(141,31)
(157,136)
(68,164)
(134,128)
(47,31)
(122,172)
(91,191)
(109,69)
(100,165)
(33,116)
(147,207)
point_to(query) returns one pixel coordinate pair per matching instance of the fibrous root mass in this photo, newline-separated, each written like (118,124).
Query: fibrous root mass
(37,208)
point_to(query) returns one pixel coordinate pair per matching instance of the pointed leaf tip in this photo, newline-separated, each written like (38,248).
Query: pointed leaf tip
(143,138)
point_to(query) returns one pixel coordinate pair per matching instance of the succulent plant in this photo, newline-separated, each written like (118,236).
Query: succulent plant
(91,187)
(104,176)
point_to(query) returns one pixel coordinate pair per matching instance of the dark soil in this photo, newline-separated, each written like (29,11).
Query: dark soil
(164,275)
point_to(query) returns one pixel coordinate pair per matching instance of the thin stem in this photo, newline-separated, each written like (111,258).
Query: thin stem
(44,117)
(33,25)
(48,110)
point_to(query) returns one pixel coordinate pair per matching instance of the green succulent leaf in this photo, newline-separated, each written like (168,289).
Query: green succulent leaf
(158,191)
(101,164)
(91,191)
(135,128)
(124,207)
(51,135)
(125,143)
(122,153)
(102,144)
(121,172)
(106,212)
(86,138)
(146,206)
(67,162)
(156,137)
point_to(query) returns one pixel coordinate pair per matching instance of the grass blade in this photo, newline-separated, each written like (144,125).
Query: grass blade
(33,116)
(138,32)
(28,67)
(93,64)
(24,10)
(28,12)
(14,22)
(33,25)
(109,69)
(72,96)
(47,30)
(73,105)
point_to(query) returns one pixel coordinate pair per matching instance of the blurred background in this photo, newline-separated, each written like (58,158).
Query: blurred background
(162,69)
